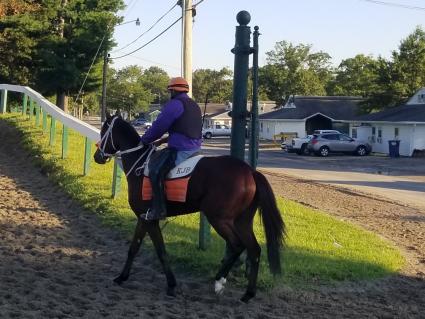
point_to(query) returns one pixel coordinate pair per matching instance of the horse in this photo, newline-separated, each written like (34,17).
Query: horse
(228,192)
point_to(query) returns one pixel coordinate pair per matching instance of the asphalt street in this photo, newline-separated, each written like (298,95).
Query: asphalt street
(398,179)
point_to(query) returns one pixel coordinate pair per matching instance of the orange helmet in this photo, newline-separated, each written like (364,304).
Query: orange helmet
(178,84)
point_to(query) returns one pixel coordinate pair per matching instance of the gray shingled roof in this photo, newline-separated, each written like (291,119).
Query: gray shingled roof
(403,113)
(335,107)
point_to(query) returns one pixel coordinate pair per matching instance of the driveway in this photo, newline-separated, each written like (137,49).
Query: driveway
(398,179)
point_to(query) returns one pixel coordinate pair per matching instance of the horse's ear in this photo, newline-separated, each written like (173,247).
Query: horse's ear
(108,115)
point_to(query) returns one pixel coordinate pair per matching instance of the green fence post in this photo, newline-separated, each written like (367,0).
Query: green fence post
(52,131)
(116,179)
(24,104)
(87,155)
(44,121)
(31,108)
(3,101)
(37,115)
(204,232)
(64,141)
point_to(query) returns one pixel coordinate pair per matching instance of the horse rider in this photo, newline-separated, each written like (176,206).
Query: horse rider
(181,117)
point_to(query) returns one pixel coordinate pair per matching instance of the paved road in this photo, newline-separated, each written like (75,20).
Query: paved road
(401,180)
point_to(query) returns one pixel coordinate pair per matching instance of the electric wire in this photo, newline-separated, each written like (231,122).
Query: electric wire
(150,28)
(393,4)
(141,47)
(97,51)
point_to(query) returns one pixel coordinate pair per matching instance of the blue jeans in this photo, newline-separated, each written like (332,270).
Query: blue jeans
(184,155)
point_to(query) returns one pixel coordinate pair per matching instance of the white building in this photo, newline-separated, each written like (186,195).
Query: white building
(405,123)
(301,115)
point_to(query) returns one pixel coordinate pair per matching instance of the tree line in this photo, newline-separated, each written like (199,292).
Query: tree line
(49,45)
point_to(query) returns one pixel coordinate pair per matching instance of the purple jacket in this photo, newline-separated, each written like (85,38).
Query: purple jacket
(171,111)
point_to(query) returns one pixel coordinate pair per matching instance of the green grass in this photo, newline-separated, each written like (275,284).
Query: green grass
(319,249)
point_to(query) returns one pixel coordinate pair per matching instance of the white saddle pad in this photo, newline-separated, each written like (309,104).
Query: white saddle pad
(185,168)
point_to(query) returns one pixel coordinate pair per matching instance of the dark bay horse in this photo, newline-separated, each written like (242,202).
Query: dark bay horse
(227,190)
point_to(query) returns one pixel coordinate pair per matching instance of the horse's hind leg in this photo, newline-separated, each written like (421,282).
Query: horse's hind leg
(139,234)
(158,242)
(235,248)
(246,234)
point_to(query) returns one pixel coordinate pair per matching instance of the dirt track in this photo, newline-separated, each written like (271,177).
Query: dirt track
(57,261)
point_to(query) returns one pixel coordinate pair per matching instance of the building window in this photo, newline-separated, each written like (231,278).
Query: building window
(396,133)
(261,127)
(354,132)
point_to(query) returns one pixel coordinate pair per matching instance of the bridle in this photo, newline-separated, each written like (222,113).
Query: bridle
(118,154)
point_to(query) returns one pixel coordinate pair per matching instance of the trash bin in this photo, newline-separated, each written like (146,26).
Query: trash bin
(394,148)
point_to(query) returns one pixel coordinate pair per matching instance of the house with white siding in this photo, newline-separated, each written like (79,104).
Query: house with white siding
(302,115)
(405,123)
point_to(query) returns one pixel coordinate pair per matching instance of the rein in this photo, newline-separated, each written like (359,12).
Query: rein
(118,154)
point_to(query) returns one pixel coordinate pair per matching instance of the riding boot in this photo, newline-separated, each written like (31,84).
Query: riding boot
(158,208)
(158,169)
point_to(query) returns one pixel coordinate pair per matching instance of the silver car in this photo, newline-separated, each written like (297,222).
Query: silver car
(323,144)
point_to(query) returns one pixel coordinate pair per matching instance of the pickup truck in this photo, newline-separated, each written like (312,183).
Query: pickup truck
(300,145)
(216,130)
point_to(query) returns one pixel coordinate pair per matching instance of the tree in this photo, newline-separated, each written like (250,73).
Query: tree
(214,86)
(19,32)
(356,76)
(58,41)
(294,70)
(125,91)
(401,77)
(155,80)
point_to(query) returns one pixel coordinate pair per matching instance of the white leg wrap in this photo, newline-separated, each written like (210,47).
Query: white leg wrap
(219,285)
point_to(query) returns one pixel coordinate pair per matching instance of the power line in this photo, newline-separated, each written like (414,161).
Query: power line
(139,48)
(155,62)
(150,28)
(393,4)
(98,49)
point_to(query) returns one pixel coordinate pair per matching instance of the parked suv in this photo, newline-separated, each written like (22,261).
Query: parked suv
(299,145)
(323,144)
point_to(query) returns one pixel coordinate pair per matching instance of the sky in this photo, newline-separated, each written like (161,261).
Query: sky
(341,28)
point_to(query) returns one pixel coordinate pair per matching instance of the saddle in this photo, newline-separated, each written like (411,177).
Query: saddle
(176,181)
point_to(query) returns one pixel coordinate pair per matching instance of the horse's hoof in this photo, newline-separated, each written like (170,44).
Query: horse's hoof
(247,296)
(120,279)
(171,291)
(219,286)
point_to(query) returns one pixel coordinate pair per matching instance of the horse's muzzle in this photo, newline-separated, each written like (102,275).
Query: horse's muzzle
(100,158)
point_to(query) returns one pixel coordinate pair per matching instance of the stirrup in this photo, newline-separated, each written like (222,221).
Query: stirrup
(148,216)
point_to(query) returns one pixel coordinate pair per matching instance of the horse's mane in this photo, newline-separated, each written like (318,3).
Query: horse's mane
(127,131)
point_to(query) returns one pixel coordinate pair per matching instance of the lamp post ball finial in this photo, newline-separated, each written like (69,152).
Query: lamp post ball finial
(243,17)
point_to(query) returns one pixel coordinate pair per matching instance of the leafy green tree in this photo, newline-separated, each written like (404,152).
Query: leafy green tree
(155,80)
(55,45)
(294,70)
(125,92)
(401,77)
(356,76)
(214,86)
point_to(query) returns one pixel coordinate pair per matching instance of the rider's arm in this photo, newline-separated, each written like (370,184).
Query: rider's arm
(171,111)
(161,141)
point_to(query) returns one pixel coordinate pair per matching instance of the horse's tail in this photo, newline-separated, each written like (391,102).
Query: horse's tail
(273,223)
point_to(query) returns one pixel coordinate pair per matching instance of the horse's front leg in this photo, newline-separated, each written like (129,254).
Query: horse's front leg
(139,234)
(158,241)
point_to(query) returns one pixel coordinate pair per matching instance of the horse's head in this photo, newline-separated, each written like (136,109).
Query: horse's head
(116,136)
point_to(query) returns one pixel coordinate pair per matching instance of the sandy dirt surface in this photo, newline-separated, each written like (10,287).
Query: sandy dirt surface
(57,261)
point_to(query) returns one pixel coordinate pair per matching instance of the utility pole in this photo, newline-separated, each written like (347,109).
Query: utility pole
(103,102)
(187,16)
(61,97)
